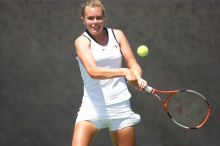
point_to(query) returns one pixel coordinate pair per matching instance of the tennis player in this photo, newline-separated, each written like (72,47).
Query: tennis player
(106,99)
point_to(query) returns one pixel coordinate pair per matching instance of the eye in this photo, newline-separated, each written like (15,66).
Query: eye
(99,18)
(91,18)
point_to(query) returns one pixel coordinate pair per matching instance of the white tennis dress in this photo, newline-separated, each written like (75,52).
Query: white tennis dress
(104,98)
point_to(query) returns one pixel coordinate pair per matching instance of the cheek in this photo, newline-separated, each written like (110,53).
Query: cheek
(87,23)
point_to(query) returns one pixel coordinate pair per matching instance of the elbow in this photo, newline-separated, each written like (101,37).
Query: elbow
(93,73)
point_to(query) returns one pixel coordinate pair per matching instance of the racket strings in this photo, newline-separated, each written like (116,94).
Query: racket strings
(188,109)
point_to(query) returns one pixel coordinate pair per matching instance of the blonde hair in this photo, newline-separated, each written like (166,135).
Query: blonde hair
(93,3)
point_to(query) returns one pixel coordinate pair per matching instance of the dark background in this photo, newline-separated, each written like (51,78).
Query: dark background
(40,83)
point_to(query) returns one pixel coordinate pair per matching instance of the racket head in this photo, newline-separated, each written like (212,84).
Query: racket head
(187,108)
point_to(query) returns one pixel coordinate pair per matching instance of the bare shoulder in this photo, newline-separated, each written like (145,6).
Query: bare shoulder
(81,43)
(119,35)
(118,32)
(81,40)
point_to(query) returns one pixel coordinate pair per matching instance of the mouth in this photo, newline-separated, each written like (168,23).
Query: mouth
(96,29)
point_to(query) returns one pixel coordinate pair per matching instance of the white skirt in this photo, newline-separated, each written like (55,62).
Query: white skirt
(106,116)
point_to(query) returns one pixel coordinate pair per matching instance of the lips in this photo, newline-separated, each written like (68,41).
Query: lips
(96,29)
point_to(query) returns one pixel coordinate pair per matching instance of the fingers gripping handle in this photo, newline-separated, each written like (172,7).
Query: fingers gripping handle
(148,89)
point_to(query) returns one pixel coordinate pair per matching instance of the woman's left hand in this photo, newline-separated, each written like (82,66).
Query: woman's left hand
(141,84)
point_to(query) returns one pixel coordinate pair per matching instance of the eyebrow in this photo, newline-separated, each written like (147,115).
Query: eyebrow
(97,17)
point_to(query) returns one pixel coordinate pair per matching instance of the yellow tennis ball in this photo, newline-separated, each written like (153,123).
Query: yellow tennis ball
(142,50)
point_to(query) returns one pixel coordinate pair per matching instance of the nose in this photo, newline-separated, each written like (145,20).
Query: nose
(95,20)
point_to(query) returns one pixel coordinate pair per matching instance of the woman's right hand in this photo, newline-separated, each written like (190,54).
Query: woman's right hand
(131,78)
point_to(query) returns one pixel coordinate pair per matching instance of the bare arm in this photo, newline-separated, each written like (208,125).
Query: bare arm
(128,54)
(84,53)
(130,60)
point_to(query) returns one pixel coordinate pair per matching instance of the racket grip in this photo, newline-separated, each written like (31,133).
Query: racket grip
(148,89)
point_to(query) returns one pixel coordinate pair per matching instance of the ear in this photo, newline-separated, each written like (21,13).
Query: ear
(82,20)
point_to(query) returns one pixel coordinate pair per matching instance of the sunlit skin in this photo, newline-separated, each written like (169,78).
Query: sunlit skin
(94,21)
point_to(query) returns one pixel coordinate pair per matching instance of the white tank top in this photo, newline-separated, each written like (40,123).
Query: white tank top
(101,92)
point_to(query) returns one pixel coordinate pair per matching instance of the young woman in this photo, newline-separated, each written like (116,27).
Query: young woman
(106,99)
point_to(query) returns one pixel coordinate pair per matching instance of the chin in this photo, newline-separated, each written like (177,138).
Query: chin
(96,32)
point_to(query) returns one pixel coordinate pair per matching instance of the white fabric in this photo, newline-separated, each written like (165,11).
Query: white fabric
(115,117)
(107,91)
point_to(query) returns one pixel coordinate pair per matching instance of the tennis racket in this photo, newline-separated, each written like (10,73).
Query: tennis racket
(187,108)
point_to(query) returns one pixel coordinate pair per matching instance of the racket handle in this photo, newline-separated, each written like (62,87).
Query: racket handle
(148,89)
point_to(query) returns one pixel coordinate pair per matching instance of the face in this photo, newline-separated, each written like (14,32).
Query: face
(93,20)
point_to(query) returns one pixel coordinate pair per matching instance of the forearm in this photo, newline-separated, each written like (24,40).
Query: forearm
(106,73)
(137,70)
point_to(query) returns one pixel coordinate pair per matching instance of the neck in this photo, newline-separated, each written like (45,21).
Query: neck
(101,38)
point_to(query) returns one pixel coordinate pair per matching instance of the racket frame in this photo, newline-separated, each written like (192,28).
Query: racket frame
(170,93)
